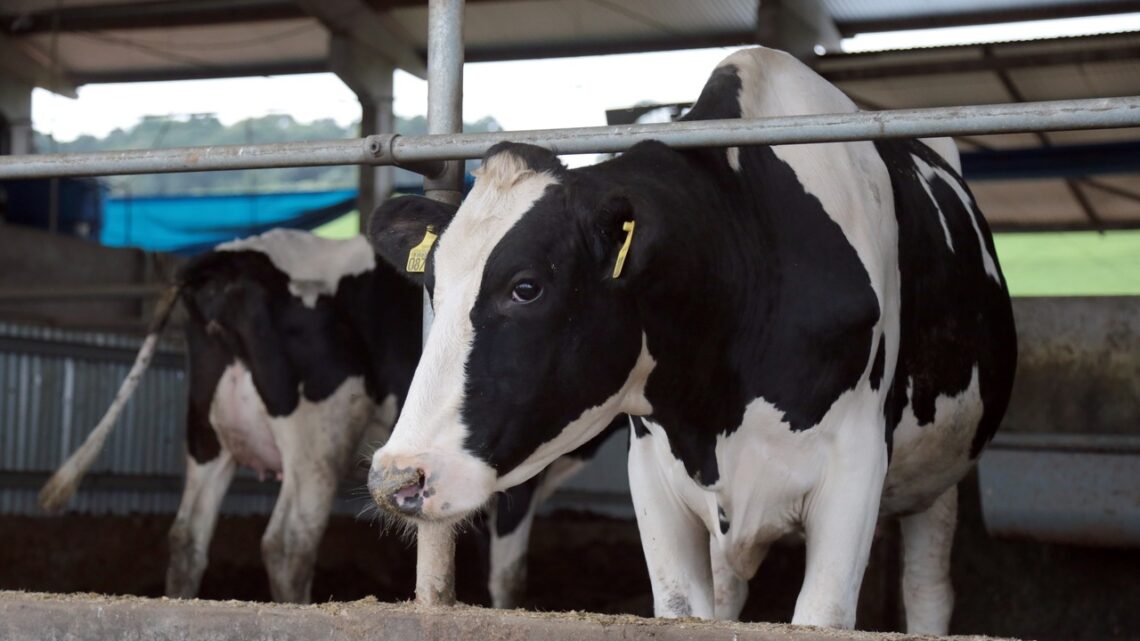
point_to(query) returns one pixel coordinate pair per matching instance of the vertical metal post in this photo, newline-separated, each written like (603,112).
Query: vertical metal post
(435,543)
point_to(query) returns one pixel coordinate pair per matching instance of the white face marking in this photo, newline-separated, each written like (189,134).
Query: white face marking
(925,173)
(313,264)
(430,432)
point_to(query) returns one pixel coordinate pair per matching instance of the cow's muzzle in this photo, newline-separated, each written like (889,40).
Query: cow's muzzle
(399,490)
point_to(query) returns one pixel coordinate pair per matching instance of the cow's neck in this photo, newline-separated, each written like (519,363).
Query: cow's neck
(693,297)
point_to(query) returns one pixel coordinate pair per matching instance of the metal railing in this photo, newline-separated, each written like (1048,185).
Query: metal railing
(424,153)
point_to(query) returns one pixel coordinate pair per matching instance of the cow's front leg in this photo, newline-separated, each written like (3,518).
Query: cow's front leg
(730,589)
(927,539)
(839,525)
(675,542)
(510,534)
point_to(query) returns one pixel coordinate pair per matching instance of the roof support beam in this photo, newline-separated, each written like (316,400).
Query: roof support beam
(796,26)
(1074,189)
(148,15)
(282,68)
(370,78)
(376,32)
(16,63)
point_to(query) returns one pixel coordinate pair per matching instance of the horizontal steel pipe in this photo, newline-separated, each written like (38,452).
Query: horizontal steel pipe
(372,150)
(89,293)
(1096,113)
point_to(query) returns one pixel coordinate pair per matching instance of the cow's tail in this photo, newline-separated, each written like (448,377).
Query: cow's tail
(62,485)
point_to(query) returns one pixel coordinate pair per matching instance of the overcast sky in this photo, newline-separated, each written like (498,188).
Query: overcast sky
(521,95)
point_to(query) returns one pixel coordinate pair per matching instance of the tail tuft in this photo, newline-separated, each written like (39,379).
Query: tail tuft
(62,485)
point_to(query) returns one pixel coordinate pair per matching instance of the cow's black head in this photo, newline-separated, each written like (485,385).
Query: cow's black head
(536,344)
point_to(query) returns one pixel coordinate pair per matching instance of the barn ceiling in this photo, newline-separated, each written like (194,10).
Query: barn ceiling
(61,44)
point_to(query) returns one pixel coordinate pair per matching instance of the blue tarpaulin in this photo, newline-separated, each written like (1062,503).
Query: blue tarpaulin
(191,224)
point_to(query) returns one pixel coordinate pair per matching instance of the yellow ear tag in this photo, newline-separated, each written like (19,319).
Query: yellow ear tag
(627,227)
(417,258)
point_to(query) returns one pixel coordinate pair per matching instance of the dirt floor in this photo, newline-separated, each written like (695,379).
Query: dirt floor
(589,563)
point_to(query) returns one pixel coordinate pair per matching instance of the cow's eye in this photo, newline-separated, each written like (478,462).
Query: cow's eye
(526,291)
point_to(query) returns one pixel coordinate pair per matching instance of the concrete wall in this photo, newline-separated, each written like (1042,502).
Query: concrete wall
(16,108)
(1078,366)
(33,259)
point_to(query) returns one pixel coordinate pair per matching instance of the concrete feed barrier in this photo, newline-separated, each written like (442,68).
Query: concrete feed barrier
(43,617)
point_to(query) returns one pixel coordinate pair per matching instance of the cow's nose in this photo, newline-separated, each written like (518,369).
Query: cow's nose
(398,489)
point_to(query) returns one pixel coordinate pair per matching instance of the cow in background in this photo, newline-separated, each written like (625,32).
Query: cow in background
(300,351)
(809,338)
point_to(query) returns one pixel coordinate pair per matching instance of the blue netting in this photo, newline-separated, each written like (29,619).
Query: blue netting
(191,224)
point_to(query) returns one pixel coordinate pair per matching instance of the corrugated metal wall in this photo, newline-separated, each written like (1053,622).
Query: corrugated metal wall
(55,385)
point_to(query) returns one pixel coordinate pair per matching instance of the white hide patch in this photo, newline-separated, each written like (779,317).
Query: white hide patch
(768,471)
(849,179)
(733,155)
(925,174)
(242,423)
(313,264)
(929,458)
(928,172)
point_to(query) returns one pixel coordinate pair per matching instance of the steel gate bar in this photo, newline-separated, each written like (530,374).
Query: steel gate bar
(435,542)
(1094,113)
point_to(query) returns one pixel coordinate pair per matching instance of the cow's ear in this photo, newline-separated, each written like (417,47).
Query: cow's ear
(403,231)
(616,235)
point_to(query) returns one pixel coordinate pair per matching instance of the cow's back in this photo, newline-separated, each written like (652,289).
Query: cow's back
(269,329)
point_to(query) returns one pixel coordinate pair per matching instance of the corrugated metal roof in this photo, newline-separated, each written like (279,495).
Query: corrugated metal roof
(859,10)
(114,40)
(214,37)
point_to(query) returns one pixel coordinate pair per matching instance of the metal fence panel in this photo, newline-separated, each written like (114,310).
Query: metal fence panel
(56,384)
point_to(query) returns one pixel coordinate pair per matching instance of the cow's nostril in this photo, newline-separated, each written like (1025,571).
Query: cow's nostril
(409,498)
(413,489)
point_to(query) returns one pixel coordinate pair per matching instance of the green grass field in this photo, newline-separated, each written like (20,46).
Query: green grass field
(1035,264)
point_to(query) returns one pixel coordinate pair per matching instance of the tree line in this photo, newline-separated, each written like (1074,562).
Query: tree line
(156,132)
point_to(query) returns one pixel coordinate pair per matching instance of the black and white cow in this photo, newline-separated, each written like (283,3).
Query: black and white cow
(300,351)
(809,338)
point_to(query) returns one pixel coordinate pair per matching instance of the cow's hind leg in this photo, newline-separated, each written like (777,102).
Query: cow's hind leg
(289,545)
(316,443)
(189,537)
(927,539)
